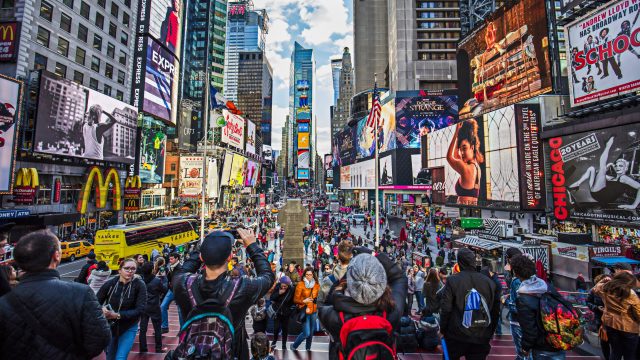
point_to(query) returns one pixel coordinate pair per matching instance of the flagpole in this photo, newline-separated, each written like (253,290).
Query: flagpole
(204,153)
(377,167)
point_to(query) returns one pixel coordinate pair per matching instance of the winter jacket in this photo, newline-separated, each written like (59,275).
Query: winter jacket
(511,301)
(156,287)
(171,270)
(129,300)
(97,279)
(411,285)
(293,275)
(452,306)
(594,302)
(248,291)
(622,315)
(431,300)
(282,303)
(528,315)
(68,311)
(325,285)
(302,293)
(420,278)
(329,315)
(407,341)
(84,271)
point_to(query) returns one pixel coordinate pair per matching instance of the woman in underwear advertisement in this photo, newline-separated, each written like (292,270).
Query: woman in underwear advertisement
(464,157)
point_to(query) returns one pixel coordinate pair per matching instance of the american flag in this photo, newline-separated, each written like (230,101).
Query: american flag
(374,115)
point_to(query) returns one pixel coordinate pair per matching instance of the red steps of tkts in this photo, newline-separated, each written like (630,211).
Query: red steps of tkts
(501,347)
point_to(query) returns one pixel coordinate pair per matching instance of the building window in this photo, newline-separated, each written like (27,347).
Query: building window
(61,70)
(43,36)
(97,42)
(69,3)
(125,19)
(121,77)
(111,50)
(40,62)
(85,10)
(108,71)
(102,3)
(124,38)
(99,20)
(95,63)
(83,32)
(127,3)
(120,95)
(93,83)
(114,9)
(65,22)
(78,77)
(113,30)
(123,58)
(107,90)
(63,46)
(81,54)
(46,11)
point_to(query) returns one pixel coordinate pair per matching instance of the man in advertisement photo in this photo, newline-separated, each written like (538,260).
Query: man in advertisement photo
(170,30)
(93,132)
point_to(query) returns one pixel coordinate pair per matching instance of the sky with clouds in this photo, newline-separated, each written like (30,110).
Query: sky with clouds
(326,26)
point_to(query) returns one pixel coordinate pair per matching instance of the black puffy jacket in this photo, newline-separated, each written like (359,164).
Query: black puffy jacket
(67,310)
(248,292)
(282,303)
(134,300)
(452,306)
(156,286)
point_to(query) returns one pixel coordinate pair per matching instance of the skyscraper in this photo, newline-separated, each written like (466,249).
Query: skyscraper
(371,43)
(343,108)
(286,151)
(336,66)
(302,78)
(255,86)
(246,31)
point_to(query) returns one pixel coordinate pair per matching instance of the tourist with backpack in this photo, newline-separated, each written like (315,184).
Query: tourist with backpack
(468,310)
(532,293)
(371,297)
(510,302)
(259,316)
(217,304)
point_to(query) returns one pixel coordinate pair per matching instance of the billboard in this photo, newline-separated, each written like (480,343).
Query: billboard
(347,146)
(233,131)
(162,72)
(345,177)
(303,127)
(162,19)
(152,151)
(508,58)
(251,137)
(238,170)
(387,127)
(420,176)
(213,179)
(191,176)
(252,172)
(303,174)
(9,39)
(386,170)
(10,99)
(421,112)
(603,48)
(226,168)
(303,159)
(303,140)
(303,108)
(365,146)
(596,175)
(362,175)
(267,152)
(75,121)
(531,165)
(328,167)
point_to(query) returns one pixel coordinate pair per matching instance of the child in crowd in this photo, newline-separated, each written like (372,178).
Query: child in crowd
(260,348)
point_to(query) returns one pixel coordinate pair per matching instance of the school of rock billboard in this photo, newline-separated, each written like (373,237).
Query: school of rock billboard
(595,175)
(508,58)
(603,49)
(10,99)
(421,112)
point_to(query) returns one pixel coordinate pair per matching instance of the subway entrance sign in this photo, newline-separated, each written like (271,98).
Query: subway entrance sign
(471,223)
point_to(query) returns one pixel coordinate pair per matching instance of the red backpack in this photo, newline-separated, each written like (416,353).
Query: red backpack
(367,337)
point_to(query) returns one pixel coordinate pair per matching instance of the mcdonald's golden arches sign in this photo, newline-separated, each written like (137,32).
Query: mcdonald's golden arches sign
(102,181)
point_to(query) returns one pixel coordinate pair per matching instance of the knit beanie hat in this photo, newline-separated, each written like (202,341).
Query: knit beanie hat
(366,279)
(285,280)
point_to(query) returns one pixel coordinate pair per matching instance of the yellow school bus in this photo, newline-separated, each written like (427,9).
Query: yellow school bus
(119,242)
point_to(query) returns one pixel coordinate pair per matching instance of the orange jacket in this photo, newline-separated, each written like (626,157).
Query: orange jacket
(302,293)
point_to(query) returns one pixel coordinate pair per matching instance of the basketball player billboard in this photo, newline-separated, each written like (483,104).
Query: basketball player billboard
(79,122)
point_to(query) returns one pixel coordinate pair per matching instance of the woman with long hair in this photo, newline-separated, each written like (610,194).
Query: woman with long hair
(464,157)
(621,315)
(430,290)
(411,288)
(8,277)
(305,298)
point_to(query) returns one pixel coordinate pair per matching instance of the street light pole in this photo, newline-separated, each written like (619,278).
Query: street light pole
(377,170)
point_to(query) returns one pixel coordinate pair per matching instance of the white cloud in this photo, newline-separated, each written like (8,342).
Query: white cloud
(279,116)
(324,19)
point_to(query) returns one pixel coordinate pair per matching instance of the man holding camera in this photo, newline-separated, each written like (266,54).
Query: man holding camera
(215,282)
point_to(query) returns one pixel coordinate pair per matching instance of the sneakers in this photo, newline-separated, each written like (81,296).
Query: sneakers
(165,330)
(292,348)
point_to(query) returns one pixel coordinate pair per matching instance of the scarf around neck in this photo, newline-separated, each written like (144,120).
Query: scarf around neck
(309,284)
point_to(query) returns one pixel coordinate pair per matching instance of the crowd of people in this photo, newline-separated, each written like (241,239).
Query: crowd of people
(359,293)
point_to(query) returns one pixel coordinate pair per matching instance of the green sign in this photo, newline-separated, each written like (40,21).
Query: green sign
(471,223)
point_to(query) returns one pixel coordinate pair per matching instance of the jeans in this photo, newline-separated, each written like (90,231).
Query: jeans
(499,326)
(281,323)
(120,346)
(164,309)
(157,332)
(307,331)
(549,355)
(409,303)
(623,344)
(516,332)
(420,299)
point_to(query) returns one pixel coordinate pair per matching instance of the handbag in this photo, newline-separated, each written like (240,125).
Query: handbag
(602,333)
(300,316)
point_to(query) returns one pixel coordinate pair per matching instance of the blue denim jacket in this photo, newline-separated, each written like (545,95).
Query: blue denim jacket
(513,295)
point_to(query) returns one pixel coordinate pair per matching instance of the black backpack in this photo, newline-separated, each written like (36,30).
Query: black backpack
(208,332)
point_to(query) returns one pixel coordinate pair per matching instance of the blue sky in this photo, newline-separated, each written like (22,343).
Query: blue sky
(326,26)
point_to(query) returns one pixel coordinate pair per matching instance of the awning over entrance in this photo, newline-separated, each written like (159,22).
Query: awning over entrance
(612,260)
(479,243)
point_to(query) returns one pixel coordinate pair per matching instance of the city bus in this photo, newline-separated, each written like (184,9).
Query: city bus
(119,242)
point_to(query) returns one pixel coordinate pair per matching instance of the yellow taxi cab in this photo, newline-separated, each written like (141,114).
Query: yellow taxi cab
(275,211)
(72,250)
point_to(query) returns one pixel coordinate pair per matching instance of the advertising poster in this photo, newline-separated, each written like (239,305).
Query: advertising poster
(508,58)
(570,251)
(596,72)
(233,131)
(10,99)
(267,152)
(335,149)
(365,145)
(9,39)
(303,108)
(303,140)
(213,178)
(328,162)
(345,177)
(162,19)
(438,195)
(303,174)
(303,159)
(161,80)
(251,137)
(596,175)
(191,176)
(238,170)
(421,112)
(188,130)
(347,146)
(386,171)
(251,176)
(226,168)
(420,176)
(387,128)
(152,151)
(75,121)
(303,127)
(530,156)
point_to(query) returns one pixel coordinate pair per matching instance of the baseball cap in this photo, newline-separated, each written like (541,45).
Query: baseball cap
(216,248)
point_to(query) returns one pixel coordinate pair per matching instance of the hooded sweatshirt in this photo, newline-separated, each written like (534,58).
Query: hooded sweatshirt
(528,313)
(97,279)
